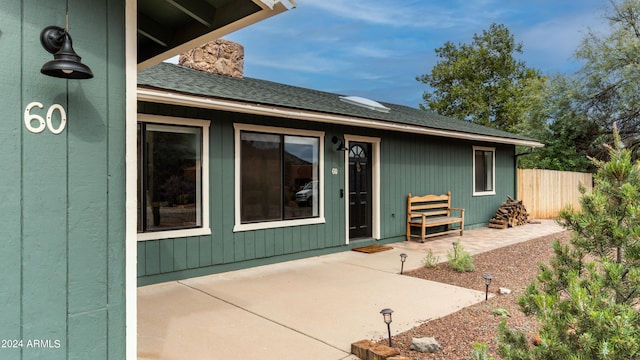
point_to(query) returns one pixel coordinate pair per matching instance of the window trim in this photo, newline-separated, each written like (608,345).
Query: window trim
(493,185)
(205,229)
(238,225)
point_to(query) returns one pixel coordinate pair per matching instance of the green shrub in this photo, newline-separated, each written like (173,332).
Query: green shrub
(500,312)
(480,352)
(460,260)
(430,260)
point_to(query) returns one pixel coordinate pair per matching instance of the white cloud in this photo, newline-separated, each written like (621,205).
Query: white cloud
(417,14)
(371,50)
(559,33)
(554,41)
(425,14)
(365,44)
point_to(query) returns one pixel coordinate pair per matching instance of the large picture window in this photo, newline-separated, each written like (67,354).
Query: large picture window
(484,171)
(279,177)
(171,177)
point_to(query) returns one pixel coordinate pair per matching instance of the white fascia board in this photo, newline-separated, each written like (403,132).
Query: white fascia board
(289,4)
(168,97)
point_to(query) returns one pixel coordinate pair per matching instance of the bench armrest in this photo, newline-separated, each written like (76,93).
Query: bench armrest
(418,214)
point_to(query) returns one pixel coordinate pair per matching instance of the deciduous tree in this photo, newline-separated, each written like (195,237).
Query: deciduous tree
(557,120)
(610,76)
(482,82)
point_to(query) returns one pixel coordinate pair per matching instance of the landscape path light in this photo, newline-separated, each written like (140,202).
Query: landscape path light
(403,258)
(386,313)
(455,249)
(487,281)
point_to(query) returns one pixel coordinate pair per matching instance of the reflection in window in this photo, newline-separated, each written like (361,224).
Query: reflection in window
(483,164)
(357,152)
(170,177)
(278,177)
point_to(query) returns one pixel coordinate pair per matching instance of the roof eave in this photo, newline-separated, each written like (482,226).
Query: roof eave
(269,8)
(169,97)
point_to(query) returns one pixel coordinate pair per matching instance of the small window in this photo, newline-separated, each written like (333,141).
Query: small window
(484,171)
(278,172)
(172,178)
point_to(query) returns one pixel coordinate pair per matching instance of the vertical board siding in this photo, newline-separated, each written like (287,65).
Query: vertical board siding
(545,192)
(180,254)
(205,251)
(142,258)
(10,186)
(116,199)
(218,186)
(482,208)
(193,253)
(63,194)
(166,255)
(87,131)
(409,163)
(260,245)
(269,241)
(85,332)
(44,200)
(249,245)
(151,255)
(226,203)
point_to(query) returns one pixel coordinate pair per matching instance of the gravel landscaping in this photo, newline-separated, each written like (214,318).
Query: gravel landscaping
(513,267)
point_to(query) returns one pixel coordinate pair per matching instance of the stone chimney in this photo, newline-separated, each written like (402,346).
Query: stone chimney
(220,57)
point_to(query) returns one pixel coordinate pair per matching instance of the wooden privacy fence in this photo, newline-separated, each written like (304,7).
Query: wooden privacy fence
(545,192)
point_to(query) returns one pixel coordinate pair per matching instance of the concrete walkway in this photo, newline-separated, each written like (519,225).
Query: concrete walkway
(307,309)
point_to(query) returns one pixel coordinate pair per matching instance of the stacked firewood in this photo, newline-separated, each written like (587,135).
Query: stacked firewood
(511,213)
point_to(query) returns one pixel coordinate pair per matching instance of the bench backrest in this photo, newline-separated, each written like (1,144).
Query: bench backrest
(431,205)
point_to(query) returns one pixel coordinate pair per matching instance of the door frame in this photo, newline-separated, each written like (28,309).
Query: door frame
(375,184)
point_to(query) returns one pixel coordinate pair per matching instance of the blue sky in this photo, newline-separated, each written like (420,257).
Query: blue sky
(376,48)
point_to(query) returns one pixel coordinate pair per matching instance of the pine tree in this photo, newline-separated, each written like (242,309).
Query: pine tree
(587,299)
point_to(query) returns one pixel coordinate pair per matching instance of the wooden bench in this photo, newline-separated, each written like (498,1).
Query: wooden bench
(430,211)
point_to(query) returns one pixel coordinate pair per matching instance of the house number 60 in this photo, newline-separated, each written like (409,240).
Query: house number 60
(36,123)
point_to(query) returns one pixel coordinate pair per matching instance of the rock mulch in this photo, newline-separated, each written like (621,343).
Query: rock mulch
(513,267)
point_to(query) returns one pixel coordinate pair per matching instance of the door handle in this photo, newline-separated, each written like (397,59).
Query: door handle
(341,193)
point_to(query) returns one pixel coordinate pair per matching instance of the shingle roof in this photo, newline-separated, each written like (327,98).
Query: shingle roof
(254,91)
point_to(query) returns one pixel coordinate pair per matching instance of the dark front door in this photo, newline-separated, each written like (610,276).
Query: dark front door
(360,180)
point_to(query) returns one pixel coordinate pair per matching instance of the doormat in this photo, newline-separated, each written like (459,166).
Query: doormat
(372,248)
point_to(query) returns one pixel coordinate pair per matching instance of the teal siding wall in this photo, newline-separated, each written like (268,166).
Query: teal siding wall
(161,260)
(409,163)
(423,165)
(62,196)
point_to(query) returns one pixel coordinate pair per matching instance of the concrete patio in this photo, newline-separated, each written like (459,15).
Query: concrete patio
(307,309)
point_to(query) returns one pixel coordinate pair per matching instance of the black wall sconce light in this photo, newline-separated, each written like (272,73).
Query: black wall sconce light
(66,63)
(341,147)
